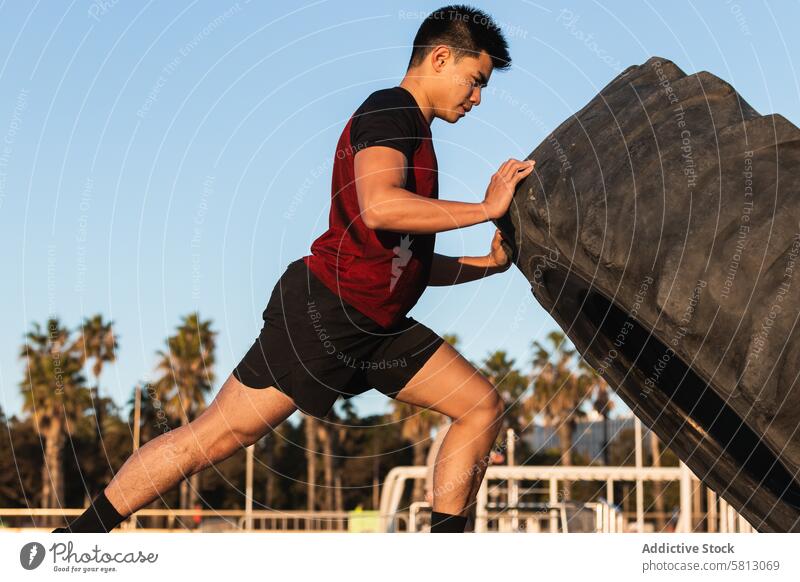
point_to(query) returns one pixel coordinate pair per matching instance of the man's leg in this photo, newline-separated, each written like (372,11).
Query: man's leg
(450,385)
(238,417)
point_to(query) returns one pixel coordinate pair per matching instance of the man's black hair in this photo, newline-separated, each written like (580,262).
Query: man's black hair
(466,30)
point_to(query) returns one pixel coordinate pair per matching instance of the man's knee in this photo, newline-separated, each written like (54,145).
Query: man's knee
(487,411)
(228,439)
(214,438)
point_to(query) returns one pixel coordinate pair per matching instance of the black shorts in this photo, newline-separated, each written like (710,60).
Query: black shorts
(315,347)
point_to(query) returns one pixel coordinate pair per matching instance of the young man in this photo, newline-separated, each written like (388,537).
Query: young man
(336,321)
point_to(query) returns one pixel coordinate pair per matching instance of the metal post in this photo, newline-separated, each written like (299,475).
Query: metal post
(513,485)
(248,507)
(481,512)
(731,519)
(137,414)
(686,499)
(742,523)
(137,421)
(711,501)
(510,447)
(637,424)
(553,503)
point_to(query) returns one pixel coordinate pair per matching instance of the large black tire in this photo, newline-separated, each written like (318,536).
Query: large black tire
(660,230)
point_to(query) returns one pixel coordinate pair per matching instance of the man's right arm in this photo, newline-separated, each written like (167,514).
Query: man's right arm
(380,173)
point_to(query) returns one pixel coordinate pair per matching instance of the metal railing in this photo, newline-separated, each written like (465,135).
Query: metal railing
(720,518)
(506,511)
(187,520)
(594,517)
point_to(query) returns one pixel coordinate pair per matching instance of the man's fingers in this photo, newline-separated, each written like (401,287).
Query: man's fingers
(523,173)
(504,167)
(512,170)
(513,166)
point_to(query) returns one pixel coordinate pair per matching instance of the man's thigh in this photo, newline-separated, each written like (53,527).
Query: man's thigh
(448,383)
(239,415)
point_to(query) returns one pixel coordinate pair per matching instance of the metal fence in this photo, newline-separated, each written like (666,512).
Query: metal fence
(511,513)
(503,505)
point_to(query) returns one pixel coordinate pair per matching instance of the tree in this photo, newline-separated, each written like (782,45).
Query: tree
(187,375)
(55,396)
(91,462)
(560,388)
(21,460)
(310,431)
(322,437)
(603,405)
(511,384)
(273,446)
(328,439)
(97,342)
(417,425)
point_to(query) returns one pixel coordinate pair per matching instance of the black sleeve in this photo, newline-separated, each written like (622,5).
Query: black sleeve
(387,123)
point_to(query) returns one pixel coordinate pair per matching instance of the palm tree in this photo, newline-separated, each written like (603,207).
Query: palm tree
(274,445)
(326,436)
(560,387)
(153,421)
(97,341)
(55,395)
(511,384)
(310,428)
(187,375)
(322,437)
(417,425)
(97,459)
(603,405)
(347,418)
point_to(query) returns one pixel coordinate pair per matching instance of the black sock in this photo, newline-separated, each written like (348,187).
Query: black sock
(99,517)
(447,523)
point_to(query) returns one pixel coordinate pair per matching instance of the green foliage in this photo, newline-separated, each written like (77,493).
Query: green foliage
(21,456)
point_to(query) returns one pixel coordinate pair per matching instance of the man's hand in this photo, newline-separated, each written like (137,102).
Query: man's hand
(503,185)
(497,255)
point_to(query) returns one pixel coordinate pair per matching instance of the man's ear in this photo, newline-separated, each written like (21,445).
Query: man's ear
(439,57)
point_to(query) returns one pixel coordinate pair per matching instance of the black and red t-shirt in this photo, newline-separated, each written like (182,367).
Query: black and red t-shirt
(381,273)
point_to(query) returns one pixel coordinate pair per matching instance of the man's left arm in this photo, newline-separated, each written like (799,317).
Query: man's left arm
(454,270)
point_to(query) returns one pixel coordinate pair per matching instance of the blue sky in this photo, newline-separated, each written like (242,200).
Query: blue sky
(162,157)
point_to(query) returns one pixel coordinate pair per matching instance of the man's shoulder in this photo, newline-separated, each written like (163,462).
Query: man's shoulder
(388,117)
(389,99)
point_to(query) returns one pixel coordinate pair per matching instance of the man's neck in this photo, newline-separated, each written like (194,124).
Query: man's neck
(419,96)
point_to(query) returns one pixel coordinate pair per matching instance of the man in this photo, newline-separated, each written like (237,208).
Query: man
(336,321)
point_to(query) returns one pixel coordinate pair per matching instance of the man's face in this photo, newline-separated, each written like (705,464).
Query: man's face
(462,84)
